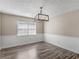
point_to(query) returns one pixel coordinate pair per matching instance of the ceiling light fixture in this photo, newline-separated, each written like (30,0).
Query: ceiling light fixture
(41,17)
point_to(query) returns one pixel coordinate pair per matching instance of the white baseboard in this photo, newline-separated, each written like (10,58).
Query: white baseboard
(69,43)
(13,40)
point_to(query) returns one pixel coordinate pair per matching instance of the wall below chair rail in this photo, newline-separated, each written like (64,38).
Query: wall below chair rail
(66,42)
(0,43)
(13,40)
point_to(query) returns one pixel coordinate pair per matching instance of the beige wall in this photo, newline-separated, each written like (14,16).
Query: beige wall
(0,24)
(40,27)
(65,24)
(9,24)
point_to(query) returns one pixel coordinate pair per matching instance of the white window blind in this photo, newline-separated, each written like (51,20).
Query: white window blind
(26,28)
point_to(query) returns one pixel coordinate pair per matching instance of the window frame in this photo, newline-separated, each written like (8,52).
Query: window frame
(28,23)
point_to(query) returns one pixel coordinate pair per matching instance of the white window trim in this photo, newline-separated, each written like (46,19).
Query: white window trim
(26,22)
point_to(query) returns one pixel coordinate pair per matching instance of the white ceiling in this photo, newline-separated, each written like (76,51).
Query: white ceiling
(31,7)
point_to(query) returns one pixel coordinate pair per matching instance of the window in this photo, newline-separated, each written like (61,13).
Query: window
(26,28)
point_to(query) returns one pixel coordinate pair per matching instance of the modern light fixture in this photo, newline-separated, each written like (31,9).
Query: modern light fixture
(41,17)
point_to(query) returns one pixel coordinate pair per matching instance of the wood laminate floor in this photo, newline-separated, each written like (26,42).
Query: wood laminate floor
(40,50)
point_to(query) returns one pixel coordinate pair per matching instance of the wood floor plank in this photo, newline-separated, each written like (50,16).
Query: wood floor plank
(40,50)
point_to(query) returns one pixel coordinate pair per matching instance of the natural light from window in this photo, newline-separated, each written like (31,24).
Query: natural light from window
(26,28)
